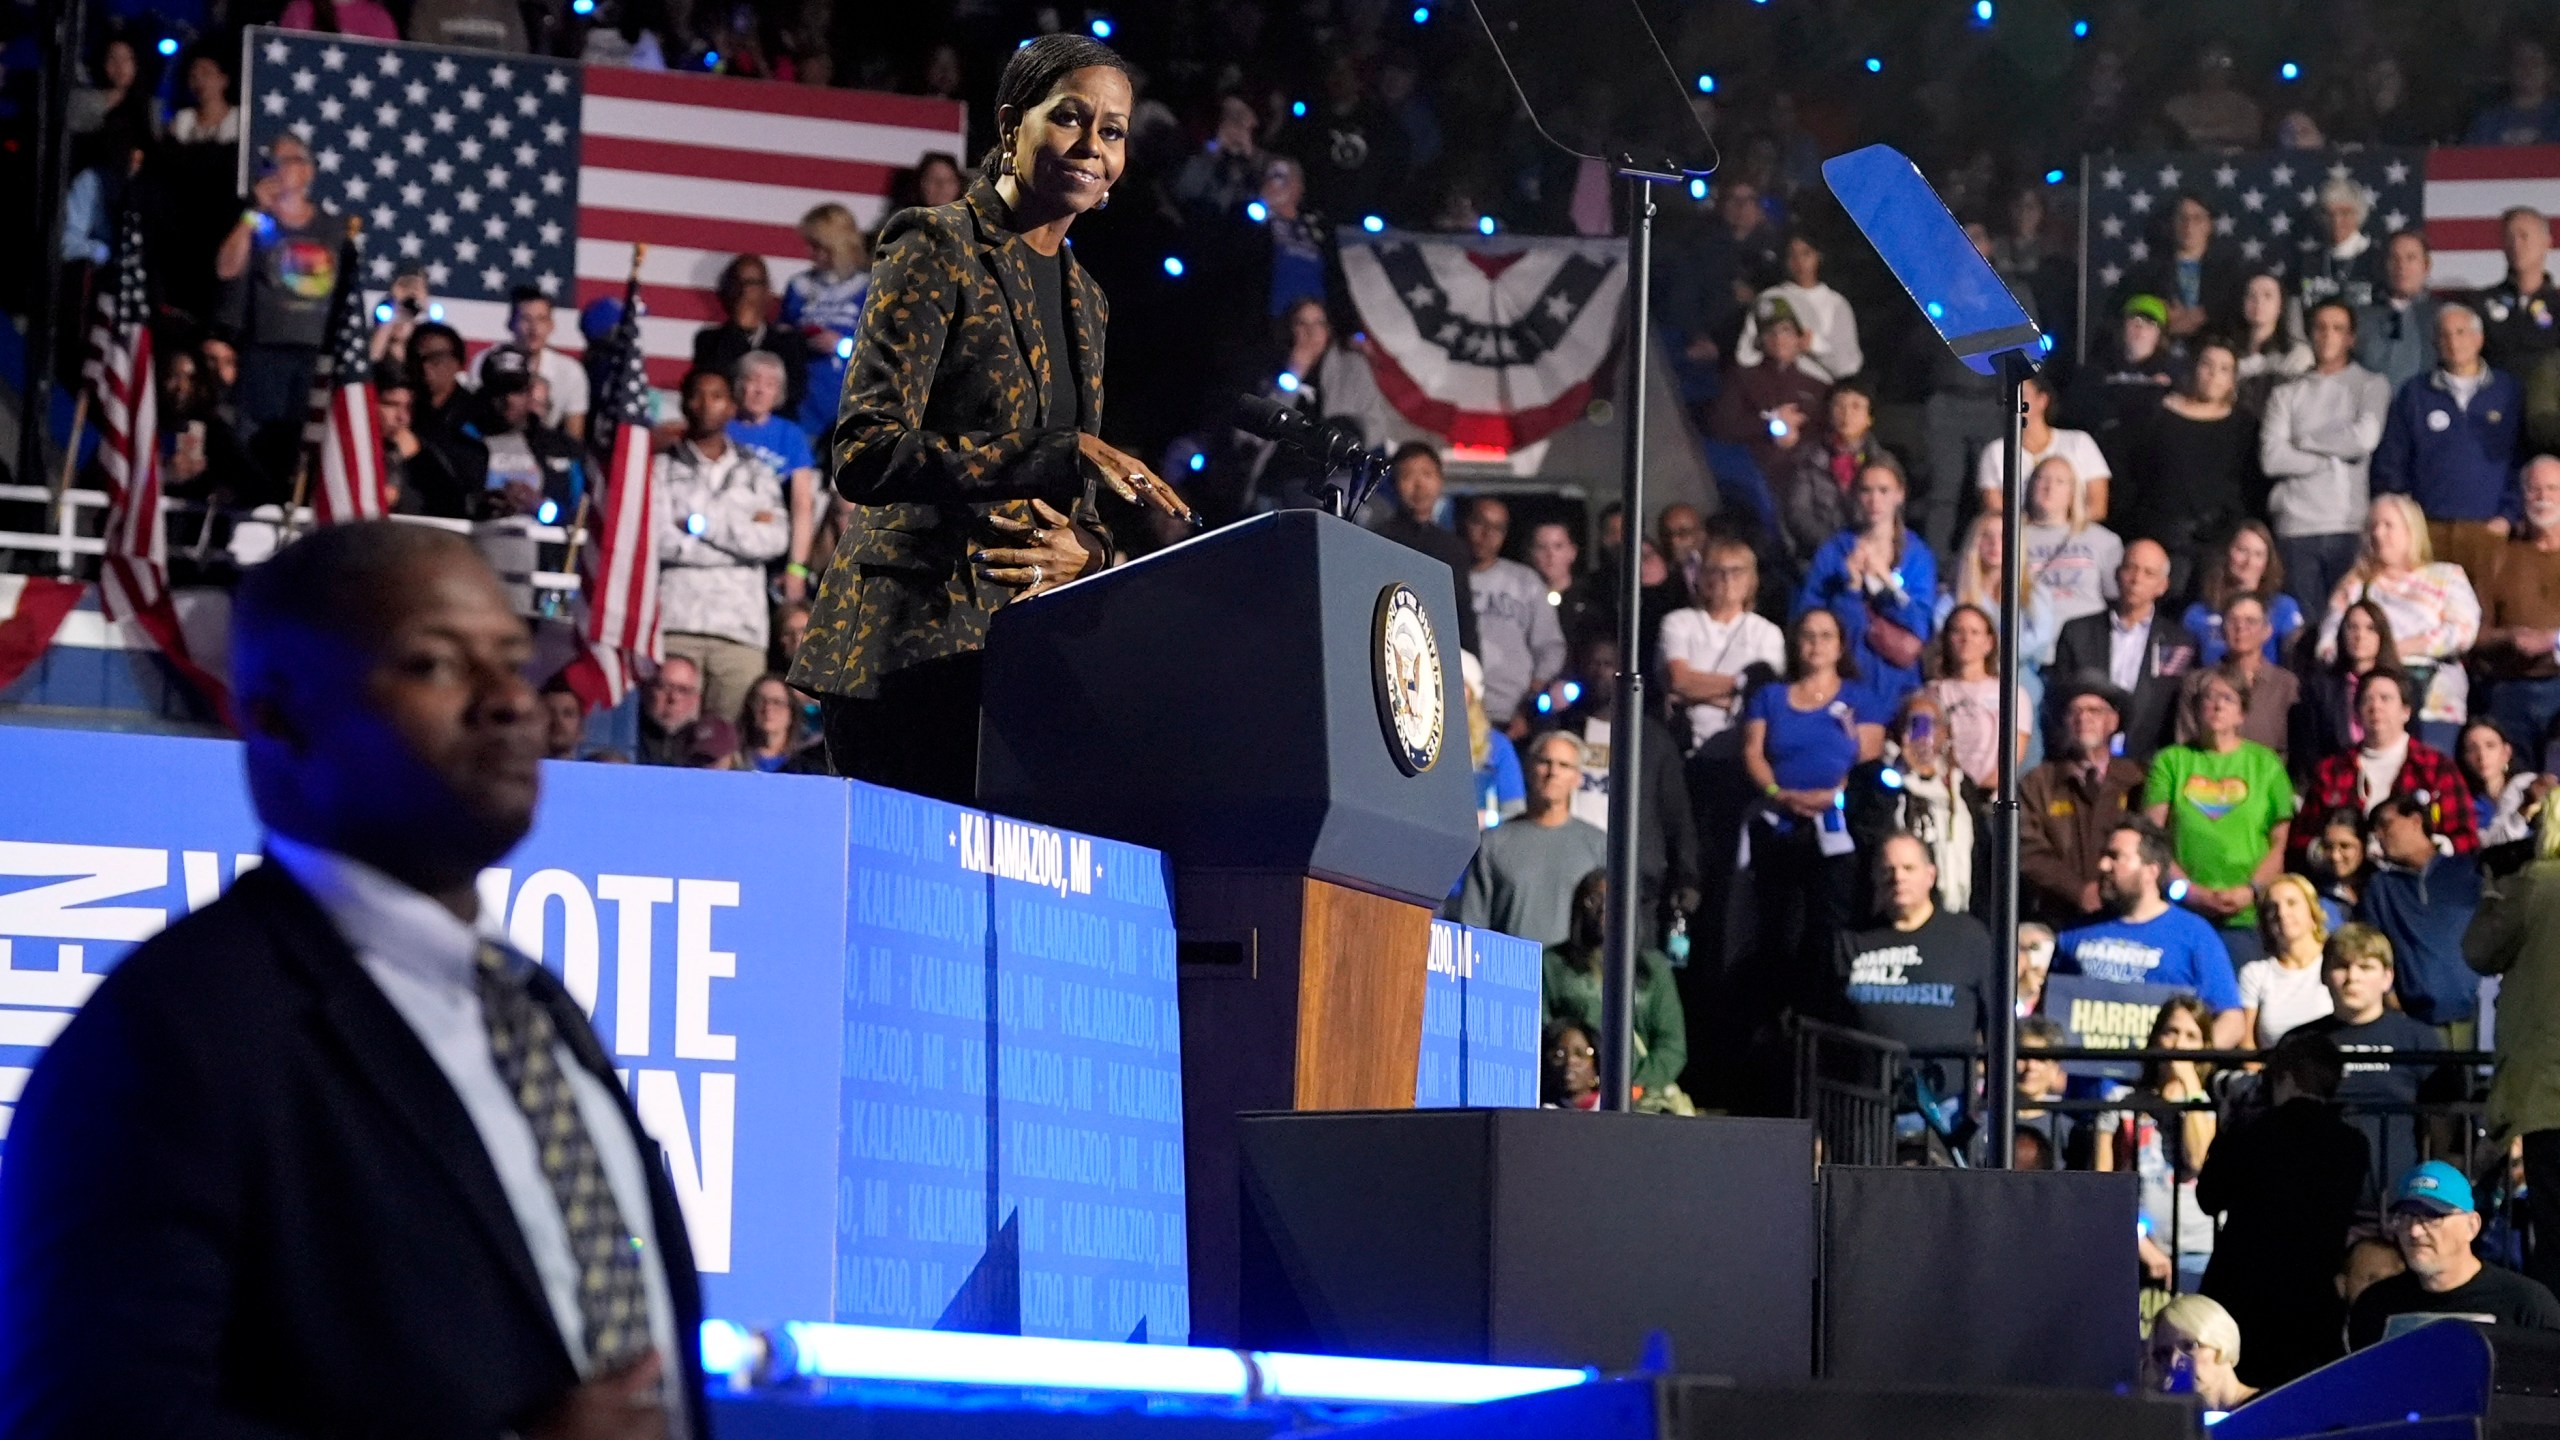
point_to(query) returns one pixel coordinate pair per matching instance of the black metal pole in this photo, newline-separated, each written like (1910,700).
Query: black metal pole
(2000,1086)
(1626,723)
(54,83)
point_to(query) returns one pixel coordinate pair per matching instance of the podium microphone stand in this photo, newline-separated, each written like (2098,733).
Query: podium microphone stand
(1652,136)
(1978,317)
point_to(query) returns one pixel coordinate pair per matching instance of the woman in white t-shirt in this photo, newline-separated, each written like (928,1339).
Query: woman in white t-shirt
(2285,989)
(2041,442)
(1706,649)
(2069,560)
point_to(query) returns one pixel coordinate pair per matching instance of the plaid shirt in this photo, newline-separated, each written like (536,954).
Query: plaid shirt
(2428,776)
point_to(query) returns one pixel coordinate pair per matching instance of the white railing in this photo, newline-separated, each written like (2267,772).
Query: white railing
(255,534)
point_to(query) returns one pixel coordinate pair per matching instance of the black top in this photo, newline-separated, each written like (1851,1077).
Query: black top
(2286,1185)
(2394,1137)
(1927,988)
(1050,285)
(2503,1297)
(2190,473)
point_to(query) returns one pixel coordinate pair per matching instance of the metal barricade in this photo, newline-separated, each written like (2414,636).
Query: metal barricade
(1845,1083)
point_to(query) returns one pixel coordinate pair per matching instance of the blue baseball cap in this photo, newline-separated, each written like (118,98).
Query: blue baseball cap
(2435,1187)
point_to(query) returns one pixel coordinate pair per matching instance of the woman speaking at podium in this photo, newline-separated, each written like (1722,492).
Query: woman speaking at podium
(966,435)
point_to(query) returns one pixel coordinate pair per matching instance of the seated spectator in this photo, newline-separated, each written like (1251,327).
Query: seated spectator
(1831,352)
(2339,864)
(2516,937)
(2391,764)
(2166,1149)
(1569,1068)
(2434,1223)
(724,519)
(529,325)
(1414,523)
(2194,1349)
(532,469)
(1517,634)
(824,303)
(2270,352)
(2247,564)
(340,17)
(2041,442)
(564,722)
(670,711)
(2191,468)
(2370,1257)
(2359,973)
(2285,1183)
(2396,335)
(2504,799)
(2285,989)
(1915,788)
(2520,615)
(1813,495)
(2068,805)
(2432,612)
(1667,854)
(2422,900)
(2035,961)
(1575,977)
(2324,719)
(777,440)
(2141,651)
(2268,691)
(1922,976)
(2449,443)
(2041,1082)
(2530,114)
(1968,685)
(1500,792)
(1799,742)
(2316,446)
(1773,407)
(2146,940)
(771,735)
(754,323)
(2070,559)
(2127,379)
(1881,583)
(2340,262)
(1521,881)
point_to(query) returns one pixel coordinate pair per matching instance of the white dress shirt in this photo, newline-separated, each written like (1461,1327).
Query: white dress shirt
(424,958)
(2125,644)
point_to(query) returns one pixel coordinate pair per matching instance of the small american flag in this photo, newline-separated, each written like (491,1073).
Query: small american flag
(491,171)
(134,579)
(2265,203)
(343,446)
(621,580)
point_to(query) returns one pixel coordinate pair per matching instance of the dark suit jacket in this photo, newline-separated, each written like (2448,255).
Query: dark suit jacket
(945,422)
(241,1201)
(2082,649)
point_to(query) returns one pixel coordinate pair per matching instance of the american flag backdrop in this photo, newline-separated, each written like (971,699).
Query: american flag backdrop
(621,576)
(2265,203)
(2468,187)
(342,445)
(493,171)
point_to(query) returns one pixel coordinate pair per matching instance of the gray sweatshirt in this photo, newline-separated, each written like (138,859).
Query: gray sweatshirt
(1519,641)
(2317,445)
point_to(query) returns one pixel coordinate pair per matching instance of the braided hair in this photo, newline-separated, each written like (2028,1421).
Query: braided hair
(1034,72)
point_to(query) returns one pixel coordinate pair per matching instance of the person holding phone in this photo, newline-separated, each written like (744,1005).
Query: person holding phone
(279,265)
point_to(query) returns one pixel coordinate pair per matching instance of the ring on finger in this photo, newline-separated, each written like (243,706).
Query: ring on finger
(1035,574)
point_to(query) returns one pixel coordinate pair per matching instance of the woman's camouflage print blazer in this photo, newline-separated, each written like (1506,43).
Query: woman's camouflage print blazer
(945,422)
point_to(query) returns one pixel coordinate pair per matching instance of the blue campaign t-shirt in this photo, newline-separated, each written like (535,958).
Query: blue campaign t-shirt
(2175,947)
(1811,749)
(778,442)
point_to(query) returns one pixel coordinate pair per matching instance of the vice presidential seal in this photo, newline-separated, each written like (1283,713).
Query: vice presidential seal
(1411,701)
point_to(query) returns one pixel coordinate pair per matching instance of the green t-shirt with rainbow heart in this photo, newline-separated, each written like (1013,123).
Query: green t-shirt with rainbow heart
(2221,807)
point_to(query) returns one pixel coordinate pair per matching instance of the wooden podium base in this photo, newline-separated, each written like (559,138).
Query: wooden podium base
(1297,994)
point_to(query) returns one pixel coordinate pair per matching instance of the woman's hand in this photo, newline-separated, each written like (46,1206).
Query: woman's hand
(1130,479)
(1049,556)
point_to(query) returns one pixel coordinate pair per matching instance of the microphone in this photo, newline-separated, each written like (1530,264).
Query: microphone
(1284,425)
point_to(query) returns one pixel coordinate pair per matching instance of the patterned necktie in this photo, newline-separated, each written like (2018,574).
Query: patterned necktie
(612,1303)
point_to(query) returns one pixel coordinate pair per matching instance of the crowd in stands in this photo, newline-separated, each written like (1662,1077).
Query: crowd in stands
(2289,625)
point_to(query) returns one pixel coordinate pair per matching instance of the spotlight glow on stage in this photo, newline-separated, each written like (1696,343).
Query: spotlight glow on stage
(1173,266)
(1101,27)
(1697,189)
(1296,107)
(2079,29)
(1372,224)
(1706,84)
(168,45)
(2288,72)
(2053,177)
(1484,224)
(1256,211)
(549,514)
(1875,65)
(1421,14)
(1199,461)
(1982,12)
(1288,382)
